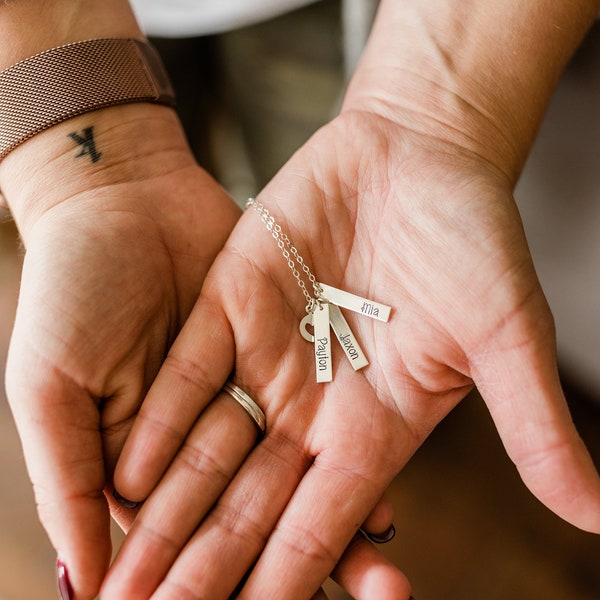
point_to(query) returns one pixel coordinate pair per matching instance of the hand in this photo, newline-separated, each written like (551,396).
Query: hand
(362,571)
(111,272)
(117,251)
(380,209)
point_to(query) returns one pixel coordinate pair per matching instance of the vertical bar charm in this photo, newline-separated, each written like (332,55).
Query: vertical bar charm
(346,338)
(363,306)
(322,344)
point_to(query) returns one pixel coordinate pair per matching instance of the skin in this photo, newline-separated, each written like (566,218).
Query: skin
(422,161)
(332,449)
(79,363)
(120,227)
(405,198)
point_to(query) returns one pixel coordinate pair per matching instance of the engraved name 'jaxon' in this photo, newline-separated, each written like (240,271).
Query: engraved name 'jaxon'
(350,349)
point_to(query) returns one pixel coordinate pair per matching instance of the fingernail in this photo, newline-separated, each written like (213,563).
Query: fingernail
(123,501)
(383,538)
(62,581)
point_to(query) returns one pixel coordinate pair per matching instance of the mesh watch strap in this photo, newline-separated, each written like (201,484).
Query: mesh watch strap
(70,80)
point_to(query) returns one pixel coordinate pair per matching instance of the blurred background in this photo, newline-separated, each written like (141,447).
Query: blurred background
(467,529)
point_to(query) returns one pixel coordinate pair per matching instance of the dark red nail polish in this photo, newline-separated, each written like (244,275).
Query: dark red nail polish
(62,581)
(123,501)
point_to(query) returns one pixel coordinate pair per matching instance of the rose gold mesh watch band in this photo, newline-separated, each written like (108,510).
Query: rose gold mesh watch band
(70,80)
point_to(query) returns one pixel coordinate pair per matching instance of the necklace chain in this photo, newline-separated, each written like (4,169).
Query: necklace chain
(323,309)
(290,253)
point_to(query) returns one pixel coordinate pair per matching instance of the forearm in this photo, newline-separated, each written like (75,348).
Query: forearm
(475,73)
(31,26)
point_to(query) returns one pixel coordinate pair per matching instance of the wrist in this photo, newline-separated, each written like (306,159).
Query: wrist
(109,147)
(37,175)
(477,74)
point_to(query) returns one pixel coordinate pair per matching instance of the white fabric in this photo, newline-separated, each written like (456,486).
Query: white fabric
(182,18)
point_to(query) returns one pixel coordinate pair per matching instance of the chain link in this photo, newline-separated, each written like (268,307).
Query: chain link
(290,254)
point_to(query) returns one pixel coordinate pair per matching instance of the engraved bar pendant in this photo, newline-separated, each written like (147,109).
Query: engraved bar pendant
(363,306)
(346,338)
(322,344)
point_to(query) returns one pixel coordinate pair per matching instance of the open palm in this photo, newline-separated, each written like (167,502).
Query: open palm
(392,215)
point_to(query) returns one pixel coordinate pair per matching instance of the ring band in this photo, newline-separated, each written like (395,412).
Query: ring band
(244,400)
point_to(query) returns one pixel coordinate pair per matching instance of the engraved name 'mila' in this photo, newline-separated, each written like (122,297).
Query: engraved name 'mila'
(369,309)
(321,353)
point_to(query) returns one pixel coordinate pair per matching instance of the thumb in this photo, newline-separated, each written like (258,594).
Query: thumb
(517,376)
(58,423)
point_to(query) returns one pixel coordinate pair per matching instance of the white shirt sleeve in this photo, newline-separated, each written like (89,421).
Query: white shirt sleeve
(183,18)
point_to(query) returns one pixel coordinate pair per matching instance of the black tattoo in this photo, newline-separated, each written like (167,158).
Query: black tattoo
(87,143)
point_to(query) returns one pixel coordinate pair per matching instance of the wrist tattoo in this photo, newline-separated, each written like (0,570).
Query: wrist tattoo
(85,139)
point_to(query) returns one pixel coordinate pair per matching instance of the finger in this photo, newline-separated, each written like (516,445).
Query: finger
(518,379)
(202,469)
(193,373)
(233,534)
(333,498)
(123,517)
(368,575)
(59,427)
(378,526)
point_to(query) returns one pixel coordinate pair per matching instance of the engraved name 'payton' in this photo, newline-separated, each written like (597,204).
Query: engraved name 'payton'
(322,354)
(369,309)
